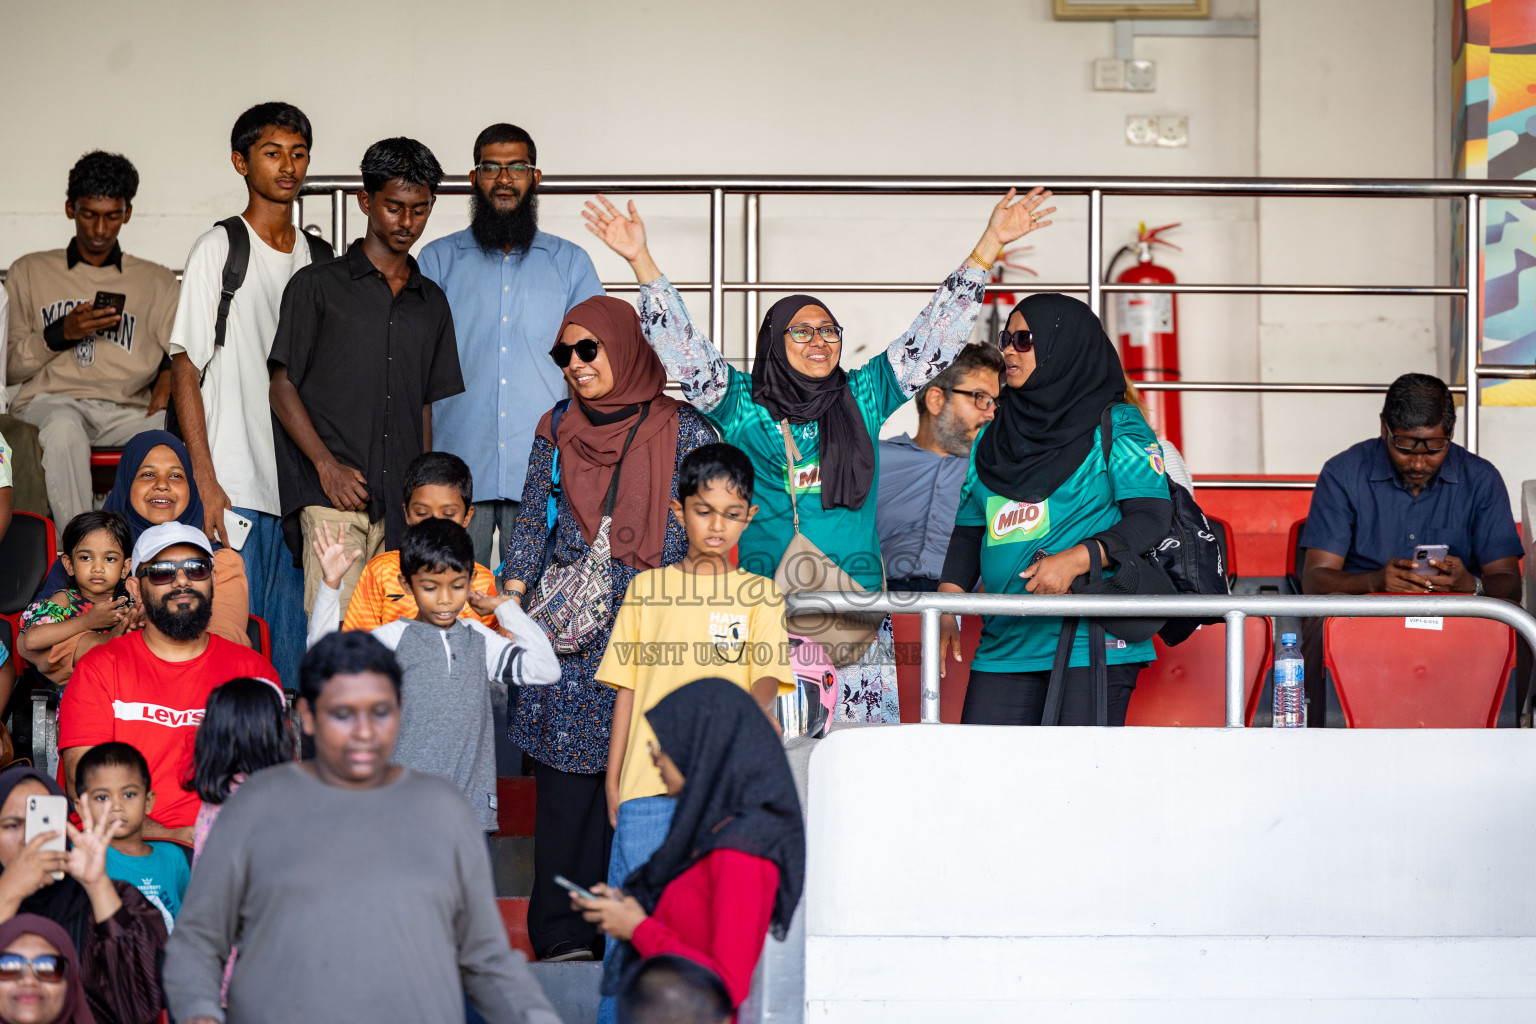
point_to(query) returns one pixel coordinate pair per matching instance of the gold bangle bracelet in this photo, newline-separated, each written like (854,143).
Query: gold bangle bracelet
(981,262)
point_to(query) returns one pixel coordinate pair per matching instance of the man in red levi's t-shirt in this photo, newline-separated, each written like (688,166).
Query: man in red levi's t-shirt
(148,688)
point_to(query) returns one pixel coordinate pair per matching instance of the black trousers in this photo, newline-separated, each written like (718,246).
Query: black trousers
(1018,698)
(571,837)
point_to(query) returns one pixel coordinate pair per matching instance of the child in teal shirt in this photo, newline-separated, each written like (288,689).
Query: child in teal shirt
(114,779)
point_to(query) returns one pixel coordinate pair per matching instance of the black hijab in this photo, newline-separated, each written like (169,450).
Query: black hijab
(1043,429)
(847,453)
(738,794)
(64,902)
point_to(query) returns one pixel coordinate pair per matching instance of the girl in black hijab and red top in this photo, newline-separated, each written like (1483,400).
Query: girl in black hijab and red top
(733,864)
(1038,492)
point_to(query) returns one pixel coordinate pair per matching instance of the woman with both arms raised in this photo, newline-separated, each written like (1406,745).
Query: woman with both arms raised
(834,415)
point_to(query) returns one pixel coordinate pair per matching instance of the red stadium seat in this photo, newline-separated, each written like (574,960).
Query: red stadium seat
(260,636)
(957,675)
(1295,555)
(1391,676)
(1186,685)
(27,552)
(104,468)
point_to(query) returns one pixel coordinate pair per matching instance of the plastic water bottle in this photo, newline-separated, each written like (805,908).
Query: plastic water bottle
(1290,694)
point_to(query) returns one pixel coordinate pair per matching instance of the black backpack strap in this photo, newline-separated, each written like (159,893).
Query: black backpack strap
(1098,664)
(320,250)
(1107,433)
(235,264)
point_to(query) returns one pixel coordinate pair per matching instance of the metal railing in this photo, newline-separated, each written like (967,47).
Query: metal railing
(752,189)
(1233,608)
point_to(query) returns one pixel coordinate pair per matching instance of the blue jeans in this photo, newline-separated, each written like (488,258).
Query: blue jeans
(643,824)
(277,592)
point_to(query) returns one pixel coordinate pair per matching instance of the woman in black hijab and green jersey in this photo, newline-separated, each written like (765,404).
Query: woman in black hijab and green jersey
(1037,493)
(834,415)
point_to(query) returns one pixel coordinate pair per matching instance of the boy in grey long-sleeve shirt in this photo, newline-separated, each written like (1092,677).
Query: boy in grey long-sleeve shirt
(347,905)
(450,665)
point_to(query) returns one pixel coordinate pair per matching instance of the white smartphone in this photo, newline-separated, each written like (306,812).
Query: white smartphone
(570,886)
(237,528)
(47,814)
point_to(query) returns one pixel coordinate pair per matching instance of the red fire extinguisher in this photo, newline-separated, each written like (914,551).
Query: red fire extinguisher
(1148,327)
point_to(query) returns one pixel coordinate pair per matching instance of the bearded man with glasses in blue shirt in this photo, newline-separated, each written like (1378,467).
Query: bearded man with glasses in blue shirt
(509,285)
(1378,500)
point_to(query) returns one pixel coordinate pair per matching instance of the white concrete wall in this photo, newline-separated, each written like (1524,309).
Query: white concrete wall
(1345,90)
(903,86)
(992,874)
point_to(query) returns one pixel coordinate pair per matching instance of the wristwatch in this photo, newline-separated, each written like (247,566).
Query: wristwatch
(1478,590)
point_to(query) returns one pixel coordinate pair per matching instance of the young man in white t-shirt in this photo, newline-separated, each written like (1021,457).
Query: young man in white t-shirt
(226,419)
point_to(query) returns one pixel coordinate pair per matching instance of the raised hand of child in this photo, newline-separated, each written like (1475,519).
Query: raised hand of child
(486,604)
(334,560)
(105,614)
(87,862)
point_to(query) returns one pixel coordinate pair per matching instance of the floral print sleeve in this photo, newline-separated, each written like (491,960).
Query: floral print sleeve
(940,330)
(691,359)
(46,611)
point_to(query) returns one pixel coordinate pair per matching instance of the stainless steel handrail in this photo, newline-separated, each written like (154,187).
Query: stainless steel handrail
(1233,608)
(753,187)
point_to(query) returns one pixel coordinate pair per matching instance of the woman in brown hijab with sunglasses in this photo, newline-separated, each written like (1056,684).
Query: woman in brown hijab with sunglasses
(616,384)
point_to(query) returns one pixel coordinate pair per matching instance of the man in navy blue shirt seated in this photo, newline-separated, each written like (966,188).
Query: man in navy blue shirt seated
(1378,500)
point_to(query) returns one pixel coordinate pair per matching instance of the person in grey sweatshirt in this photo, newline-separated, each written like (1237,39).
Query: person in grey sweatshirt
(356,889)
(453,667)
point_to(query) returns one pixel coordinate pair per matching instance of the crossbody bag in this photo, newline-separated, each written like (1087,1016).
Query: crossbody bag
(804,567)
(572,603)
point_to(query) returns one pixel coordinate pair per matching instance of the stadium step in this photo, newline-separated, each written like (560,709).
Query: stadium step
(514,915)
(514,805)
(573,988)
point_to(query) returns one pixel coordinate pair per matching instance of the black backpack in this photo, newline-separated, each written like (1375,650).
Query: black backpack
(1192,554)
(235,264)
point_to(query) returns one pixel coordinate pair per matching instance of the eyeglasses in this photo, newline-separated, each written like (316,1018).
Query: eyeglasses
(983,400)
(801,334)
(586,348)
(490,170)
(160,574)
(1022,341)
(1433,445)
(46,968)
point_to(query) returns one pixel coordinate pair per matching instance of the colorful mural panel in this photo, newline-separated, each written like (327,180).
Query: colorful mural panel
(1494,92)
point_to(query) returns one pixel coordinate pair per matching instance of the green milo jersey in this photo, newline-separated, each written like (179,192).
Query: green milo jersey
(1082,506)
(846,535)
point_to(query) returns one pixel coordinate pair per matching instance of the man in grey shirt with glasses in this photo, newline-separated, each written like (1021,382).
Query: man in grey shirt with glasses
(921,477)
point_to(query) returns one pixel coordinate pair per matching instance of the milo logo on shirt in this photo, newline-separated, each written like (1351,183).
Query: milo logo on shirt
(1011,521)
(807,477)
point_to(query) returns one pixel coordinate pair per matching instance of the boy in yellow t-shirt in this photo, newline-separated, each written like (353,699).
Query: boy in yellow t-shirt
(701,617)
(438,485)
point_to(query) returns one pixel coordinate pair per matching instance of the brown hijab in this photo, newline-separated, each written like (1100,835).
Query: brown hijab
(592,437)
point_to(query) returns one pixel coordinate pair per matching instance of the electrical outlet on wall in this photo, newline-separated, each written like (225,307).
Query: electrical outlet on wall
(1141,76)
(1141,130)
(1109,75)
(1173,131)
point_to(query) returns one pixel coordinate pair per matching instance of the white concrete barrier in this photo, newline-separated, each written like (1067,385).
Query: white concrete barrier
(965,873)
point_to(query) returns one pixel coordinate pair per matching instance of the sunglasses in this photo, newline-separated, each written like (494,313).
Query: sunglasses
(46,968)
(1021,341)
(160,574)
(586,348)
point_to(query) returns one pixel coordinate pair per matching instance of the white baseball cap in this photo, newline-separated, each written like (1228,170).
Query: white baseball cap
(167,535)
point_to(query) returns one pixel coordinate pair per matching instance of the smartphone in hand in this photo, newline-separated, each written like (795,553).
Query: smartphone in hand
(1422,555)
(47,814)
(570,886)
(114,301)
